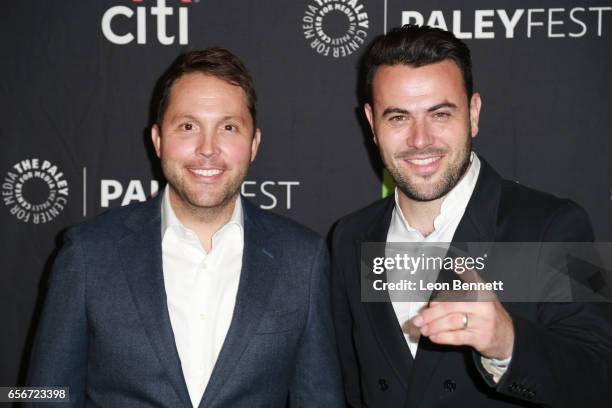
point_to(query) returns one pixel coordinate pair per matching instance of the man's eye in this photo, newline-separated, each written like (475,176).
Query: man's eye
(229,128)
(397,118)
(187,126)
(442,115)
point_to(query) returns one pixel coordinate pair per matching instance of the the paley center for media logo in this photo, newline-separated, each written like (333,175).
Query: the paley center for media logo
(335,28)
(127,23)
(35,191)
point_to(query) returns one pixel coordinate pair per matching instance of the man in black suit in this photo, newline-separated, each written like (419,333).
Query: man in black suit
(423,115)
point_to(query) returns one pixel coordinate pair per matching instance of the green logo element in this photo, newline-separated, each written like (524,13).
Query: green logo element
(388,184)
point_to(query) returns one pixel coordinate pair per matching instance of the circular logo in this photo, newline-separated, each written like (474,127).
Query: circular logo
(335,28)
(35,191)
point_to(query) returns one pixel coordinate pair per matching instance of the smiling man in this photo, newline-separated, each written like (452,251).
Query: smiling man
(423,114)
(197,297)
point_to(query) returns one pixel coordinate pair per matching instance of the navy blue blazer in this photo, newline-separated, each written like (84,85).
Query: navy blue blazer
(105,330)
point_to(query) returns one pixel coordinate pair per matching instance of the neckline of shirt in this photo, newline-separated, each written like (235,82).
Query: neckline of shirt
(170,220)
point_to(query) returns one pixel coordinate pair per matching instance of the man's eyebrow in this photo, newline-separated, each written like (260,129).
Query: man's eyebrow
(237,118)
(442,105)
(402,111)
(391,110)
(182,116)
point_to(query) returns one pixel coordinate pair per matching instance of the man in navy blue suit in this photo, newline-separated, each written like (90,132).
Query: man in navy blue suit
(197,297)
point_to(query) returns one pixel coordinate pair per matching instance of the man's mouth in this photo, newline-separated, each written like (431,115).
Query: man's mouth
(206,172)
(425,161)
(424,166)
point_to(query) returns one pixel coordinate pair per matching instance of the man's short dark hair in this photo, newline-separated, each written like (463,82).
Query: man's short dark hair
(417,46)
(213,61)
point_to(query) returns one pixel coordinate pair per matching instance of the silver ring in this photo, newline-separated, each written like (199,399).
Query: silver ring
(465,321)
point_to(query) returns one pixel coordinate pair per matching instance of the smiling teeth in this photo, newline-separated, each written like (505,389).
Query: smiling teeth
(207,173)
(422,162)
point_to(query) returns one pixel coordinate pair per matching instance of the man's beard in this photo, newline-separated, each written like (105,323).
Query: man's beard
(448,181)
(198,204)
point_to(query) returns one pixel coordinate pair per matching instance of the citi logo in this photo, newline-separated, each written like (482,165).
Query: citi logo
(159,14)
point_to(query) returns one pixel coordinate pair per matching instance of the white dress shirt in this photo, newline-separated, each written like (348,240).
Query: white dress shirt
(445,225)
(201,291)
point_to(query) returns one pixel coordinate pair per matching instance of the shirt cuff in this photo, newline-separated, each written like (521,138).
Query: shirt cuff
(495,367)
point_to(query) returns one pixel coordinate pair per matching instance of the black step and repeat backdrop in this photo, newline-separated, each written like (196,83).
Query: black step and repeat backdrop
(76,80)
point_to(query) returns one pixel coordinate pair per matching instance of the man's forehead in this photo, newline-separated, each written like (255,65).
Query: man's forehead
(195,88)
(397,82)
(443,71)
(202,84)
(199,96)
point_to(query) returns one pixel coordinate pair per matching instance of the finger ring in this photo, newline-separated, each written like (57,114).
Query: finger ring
(465,320)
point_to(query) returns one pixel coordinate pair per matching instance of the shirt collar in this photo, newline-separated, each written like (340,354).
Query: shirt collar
(170,220)
(456,200)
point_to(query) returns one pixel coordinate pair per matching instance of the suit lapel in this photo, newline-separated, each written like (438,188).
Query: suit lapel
(381,315)
(257,277)
(141,256)
(478,224)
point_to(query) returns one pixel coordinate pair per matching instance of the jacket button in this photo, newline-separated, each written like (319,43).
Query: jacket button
(382,384)
(450,385)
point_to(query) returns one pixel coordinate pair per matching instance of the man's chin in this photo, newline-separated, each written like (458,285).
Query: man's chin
(210,203)
(428,187)
(422,197)
(423,193)
(192,200)
(213,199)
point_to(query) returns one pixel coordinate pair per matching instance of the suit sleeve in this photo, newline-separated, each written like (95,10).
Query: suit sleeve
(316,380)
(564,359)
(59,353)
(343,322)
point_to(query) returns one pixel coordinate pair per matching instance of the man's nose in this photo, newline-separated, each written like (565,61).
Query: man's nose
(421,135)
(208,145)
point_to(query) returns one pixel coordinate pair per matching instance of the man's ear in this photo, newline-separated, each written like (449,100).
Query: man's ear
(156,139)
(255,144)
(367,109)
(475,105)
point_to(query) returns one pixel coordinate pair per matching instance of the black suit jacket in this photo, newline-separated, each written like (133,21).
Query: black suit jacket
(562,351)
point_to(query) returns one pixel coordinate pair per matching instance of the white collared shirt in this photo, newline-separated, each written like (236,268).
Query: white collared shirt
(445,225)
(201,291)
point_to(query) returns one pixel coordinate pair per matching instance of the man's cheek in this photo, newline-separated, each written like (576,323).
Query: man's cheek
(180,150)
